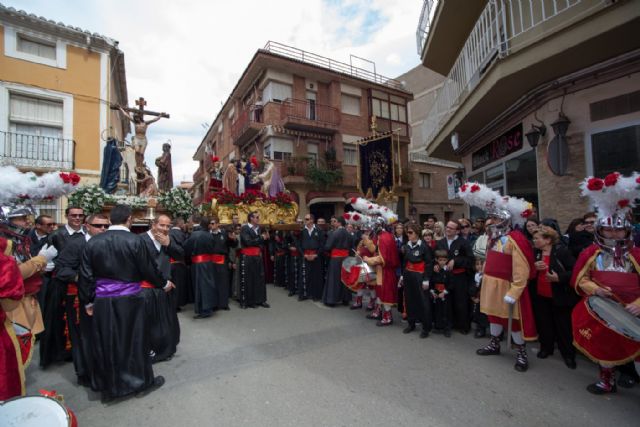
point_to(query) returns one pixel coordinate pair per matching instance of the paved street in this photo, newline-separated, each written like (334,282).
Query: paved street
(304,364)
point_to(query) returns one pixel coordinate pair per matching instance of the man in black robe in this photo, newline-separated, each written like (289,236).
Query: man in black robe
(179,270)
(311,246)
(460,266)
(160,304)
(54,341)
(220,258)
(67,269)
(279,256)
(39,235)
(253,290)
(295,261)
(197,251)
(114,264)
(339,244)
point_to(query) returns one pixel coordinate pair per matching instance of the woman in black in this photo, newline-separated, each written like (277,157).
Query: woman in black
(417,259)
(552,295)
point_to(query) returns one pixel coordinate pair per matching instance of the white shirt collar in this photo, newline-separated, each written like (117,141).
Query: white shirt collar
(39,236)
(155,242)
(118,228)
(71,231)
(87,236)
(313,227)
(418,243)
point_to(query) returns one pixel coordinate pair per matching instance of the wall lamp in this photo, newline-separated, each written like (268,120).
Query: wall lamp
(533,136)
(561,125)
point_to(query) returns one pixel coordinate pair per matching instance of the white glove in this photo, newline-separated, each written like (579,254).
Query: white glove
(509,300)
(425,285)
(49,252)
(50,266)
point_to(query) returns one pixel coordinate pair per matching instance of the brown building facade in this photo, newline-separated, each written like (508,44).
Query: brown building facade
(303,111)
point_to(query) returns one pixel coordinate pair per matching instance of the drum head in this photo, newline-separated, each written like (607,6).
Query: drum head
(616,317)
(349,262)
(33,411)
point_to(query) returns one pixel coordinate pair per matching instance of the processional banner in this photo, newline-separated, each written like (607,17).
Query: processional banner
(376,165)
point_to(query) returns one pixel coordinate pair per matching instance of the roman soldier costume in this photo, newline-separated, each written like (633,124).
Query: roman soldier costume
(608,270)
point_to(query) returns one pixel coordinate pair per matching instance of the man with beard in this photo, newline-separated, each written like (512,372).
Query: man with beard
(78,322)
(338,245)
(179,270)
(114,264)
(160,304)
(198,250)
(253,291)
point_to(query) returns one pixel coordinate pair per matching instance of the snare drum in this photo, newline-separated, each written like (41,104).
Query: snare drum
(35,411)
(616,317)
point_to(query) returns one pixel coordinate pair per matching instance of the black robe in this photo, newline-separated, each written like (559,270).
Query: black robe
(163,327)
(418,308)
(295,260)
(202,273)
(253,290)
(334,291)
(120,347)
(78,322)
(221,245)
(179,270)
(461,280)
(279,251)
(311,282)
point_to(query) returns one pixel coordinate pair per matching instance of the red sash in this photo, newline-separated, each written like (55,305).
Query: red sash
(310,252)
(416,267)
(281,252)
(175,261)
(339,253)
(498,265)
(251,251)
(625,286)
(294,252)
(199,259)
(146,285)
(72,289)
(217,258)
(459,271)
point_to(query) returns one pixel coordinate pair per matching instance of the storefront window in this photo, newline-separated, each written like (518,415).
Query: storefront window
(616,151)
(521,174)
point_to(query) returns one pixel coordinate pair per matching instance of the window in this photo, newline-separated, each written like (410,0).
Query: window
(350,105)
(275,91)
(312,152)
(387,106)
(33,46)
(425,180)
(625,158)
(278,148)
(48,207)
(350,153)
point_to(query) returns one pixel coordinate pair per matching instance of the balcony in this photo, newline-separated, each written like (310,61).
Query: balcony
(514,47)
(247,126)
(307,115)
(37,152)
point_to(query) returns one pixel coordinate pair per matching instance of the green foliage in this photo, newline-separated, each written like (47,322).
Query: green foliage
(92,198)
(323,177)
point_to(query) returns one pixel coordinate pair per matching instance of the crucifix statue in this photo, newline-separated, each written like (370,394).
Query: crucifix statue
(136,115)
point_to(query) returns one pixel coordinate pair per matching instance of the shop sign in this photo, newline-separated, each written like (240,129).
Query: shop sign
(505,144)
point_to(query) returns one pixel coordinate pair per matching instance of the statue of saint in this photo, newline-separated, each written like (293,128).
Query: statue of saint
(146,183)
(230,178)
(165,173)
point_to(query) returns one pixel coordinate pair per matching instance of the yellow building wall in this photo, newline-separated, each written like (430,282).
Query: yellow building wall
(81,78)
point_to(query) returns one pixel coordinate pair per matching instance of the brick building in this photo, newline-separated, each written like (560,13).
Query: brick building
(537,96)
(302,111)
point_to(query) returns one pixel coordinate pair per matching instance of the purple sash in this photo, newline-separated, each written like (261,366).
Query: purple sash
(106,288)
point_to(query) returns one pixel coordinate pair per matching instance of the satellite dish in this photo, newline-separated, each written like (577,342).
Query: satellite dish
(558,156)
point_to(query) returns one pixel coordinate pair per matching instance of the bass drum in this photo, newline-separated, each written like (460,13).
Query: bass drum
(35,411)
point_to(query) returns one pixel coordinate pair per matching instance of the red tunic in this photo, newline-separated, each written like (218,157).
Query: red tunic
(590,334)
(387,289)
(11,368)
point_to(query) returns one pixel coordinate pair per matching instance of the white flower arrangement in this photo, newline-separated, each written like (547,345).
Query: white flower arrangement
(92,198)
(178,202)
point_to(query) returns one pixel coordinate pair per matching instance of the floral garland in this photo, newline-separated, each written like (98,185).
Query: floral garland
(227,198)
(178,202)
(92,198)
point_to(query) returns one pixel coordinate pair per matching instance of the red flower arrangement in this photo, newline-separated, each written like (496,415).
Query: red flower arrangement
(464,187)
(226,197)
(356,217)
(623,203)
(346,216)
(611,179)
(474,188)
(595,184)
(70,178)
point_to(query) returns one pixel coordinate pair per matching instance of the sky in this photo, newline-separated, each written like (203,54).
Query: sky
(185,56)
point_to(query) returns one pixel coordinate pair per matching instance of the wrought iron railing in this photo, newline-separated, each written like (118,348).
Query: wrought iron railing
(331,64)
(309,110)
(499,24)
(244,120)
(35,151)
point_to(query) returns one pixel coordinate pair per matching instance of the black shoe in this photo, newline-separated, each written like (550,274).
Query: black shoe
(437,331)
(570,362)
(252,306)
(542,354)
(447,333)
(265,305)
(303,298)
(480,333)
(225,308)
(243,306)
(202,316)
(625,381)
(597,389)
(178,309)
(157,383)
(424,334)
(291,293)
(493,348)
(409,329)
(464,331)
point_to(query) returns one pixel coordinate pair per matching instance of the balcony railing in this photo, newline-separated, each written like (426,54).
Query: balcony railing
(35,151)
(309,111)
(331,64)
(244,121)
(500,22)
(424,25)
